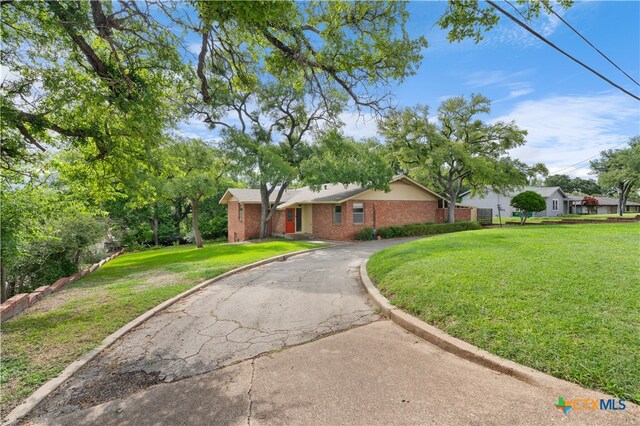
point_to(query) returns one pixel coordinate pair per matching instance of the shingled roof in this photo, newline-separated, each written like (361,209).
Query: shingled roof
(602,201)
(328,193)
(252,196)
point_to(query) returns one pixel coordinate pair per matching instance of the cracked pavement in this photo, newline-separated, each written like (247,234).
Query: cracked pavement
(377,374)
(261,310)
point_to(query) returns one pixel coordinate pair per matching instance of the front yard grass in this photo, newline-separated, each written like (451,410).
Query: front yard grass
(563,299)
(39,343)
(566,216)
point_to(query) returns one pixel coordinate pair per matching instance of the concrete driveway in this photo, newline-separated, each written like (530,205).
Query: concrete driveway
(254,312)
(364,371)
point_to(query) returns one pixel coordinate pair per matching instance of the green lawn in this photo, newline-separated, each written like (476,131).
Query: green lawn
(39,343)
(563,299)
(566,216)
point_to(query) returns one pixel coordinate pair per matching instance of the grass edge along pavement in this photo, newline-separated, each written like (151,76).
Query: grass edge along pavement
(600,217)
(38,344)
(561,299)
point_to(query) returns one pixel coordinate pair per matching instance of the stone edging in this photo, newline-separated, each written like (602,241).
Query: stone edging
(449,343)
(45,390)
(20,302)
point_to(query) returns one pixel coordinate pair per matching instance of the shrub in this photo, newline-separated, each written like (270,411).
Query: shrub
(419,229)
(365,234)
(591,203)
(528,201)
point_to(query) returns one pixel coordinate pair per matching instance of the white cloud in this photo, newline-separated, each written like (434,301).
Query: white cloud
(514,85)
(509,33)
(565,130)
(7,75)
(478,79)
(194,47)
(194,128)
(519,92)
(359,126)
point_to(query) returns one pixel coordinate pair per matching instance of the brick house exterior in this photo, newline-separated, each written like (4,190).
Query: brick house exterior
(337,212)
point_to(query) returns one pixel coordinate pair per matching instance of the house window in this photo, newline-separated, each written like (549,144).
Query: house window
(554,204)
(241,212)
(358,213)
(337,214)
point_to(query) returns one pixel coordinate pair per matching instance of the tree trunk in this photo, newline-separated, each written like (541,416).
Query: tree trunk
(453,195)
(154,225)
(194,222)
(266,210)
(620,198)
(3,283)
(625,196)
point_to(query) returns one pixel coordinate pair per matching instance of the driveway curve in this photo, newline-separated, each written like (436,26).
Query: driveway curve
(261,310)
(374,374)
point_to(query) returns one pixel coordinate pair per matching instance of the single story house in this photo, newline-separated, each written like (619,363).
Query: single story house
(556,200)
(336,212)
(606,205)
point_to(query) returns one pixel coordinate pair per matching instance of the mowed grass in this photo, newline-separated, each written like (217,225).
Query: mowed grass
(568,216)
(563,299)
(39,343)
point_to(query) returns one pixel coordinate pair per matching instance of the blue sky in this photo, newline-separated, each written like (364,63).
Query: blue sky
(571,114)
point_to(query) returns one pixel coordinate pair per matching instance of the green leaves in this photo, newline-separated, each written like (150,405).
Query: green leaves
(528,201)
(458,150)
(338,159)
(619,170)
(194,169)
(96,79)
(471,19)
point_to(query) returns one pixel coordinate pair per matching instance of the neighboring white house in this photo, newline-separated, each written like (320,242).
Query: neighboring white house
(557,201)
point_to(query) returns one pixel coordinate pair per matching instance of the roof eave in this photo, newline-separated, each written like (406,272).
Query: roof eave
(225,199)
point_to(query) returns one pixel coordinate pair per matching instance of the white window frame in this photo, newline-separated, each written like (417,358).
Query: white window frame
(358,206)
(240,212)
(337,215)
(555,204)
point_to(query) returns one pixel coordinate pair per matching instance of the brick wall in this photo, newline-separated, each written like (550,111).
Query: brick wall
(463,214)
(250,227)
(235,228)
(277,222)
(251,221)
(388,213)
(376,214)
(246,229)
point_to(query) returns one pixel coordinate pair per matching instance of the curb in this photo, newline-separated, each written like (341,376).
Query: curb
(446,342)
(49,387)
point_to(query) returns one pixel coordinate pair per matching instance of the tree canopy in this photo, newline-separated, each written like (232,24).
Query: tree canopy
(95,93)
(456,149)
(286,70)
(618,171)
(528,202)
(95,77)
(575,185)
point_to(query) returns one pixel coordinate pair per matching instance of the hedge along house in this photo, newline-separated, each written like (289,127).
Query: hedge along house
(337,212)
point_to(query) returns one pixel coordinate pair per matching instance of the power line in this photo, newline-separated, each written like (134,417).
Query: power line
(532,31)
(590,44)
(573,166)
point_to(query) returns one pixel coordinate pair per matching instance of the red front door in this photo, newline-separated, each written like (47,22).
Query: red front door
(290,221)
